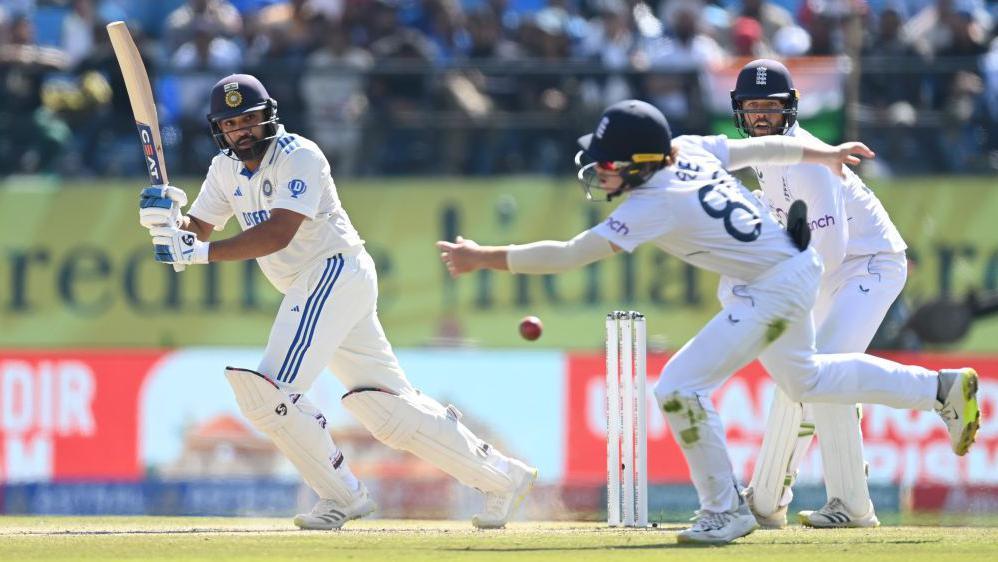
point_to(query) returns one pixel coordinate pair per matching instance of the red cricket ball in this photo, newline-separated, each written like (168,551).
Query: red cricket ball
(531,328)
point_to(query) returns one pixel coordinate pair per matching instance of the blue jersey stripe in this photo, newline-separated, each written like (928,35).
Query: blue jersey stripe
(304,318)
(311,332)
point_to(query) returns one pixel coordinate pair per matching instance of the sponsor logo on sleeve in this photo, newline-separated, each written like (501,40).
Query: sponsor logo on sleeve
(618,226)
(296,187)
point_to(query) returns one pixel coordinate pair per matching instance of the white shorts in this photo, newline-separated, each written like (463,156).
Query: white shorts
(328,318)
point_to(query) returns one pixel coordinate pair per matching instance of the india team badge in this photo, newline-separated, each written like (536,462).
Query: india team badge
(297,187)
(268,188)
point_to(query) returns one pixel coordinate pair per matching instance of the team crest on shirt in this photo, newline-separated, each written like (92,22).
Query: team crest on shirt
(268,188)
(296,187)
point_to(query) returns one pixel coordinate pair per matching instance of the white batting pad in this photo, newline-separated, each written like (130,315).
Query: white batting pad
(774,473)
(841,442)
(419,424)
(302,437)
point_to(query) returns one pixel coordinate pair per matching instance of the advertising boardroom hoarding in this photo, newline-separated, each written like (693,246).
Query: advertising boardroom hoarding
(120,415)
(64,286)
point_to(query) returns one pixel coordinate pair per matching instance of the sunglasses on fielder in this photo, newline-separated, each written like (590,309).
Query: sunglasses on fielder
(626,168)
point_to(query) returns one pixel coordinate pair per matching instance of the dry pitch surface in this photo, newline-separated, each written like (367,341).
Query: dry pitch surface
(219,539)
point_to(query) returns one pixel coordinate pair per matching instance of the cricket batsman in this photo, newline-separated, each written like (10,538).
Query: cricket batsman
(681,199)
(279,188)
(865,269)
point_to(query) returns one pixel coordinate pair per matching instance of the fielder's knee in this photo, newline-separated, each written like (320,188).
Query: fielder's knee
(667,384)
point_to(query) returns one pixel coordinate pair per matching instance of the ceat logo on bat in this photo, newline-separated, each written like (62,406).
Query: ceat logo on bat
(149,147)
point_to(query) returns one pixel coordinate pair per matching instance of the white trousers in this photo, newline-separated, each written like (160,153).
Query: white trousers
(329,318)
(770,318)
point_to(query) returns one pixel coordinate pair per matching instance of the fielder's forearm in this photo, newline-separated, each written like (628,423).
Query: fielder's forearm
(491,257)
(550,256)
(765,150)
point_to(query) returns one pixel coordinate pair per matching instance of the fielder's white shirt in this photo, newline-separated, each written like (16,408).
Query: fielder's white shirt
(698,212)
(846,218)
(294,175)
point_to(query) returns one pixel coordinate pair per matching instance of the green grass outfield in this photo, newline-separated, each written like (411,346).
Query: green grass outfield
(220,539)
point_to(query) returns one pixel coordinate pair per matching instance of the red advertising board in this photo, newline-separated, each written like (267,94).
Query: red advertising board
(901,446)
(71,415)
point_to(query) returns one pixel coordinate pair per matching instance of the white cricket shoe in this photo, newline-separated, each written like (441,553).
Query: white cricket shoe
(499,506)
(719,527)
(959,408)
(328,515)
(775,520)
(835,515)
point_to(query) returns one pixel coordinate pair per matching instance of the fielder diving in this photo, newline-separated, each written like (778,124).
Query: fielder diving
(279,188)
(865,269)
(682,199)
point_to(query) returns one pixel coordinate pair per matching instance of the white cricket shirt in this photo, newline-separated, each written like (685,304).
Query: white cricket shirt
(846,218)
(698,212)
(293,175)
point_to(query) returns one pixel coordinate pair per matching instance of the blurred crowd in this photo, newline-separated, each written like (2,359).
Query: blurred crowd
(478,86)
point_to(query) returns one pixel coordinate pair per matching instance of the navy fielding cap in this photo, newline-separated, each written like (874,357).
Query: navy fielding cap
(237,94)
(763,79)
(629,131)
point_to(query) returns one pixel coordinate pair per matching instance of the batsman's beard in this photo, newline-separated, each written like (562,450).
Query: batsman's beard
(248,152)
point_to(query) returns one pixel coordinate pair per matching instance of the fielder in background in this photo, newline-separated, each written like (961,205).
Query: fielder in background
(865,270)
(279,188)
(682,200)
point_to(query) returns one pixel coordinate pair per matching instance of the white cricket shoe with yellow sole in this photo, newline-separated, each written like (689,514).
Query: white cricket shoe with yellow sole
(959,408)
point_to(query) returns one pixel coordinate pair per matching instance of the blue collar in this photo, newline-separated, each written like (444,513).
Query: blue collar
(246,172)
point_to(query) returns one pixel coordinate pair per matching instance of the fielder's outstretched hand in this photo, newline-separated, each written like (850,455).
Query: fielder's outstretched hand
(178,246)
(836,157)
(461,256)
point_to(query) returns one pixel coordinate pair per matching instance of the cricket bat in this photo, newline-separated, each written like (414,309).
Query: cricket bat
(143,104)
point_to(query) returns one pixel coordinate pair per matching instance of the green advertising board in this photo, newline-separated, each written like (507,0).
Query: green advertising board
(76,269)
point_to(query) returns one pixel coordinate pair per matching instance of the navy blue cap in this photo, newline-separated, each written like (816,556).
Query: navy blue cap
(626,129)
(237,94)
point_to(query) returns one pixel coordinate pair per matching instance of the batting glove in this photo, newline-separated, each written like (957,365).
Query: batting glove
(159,205)
(178,246)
